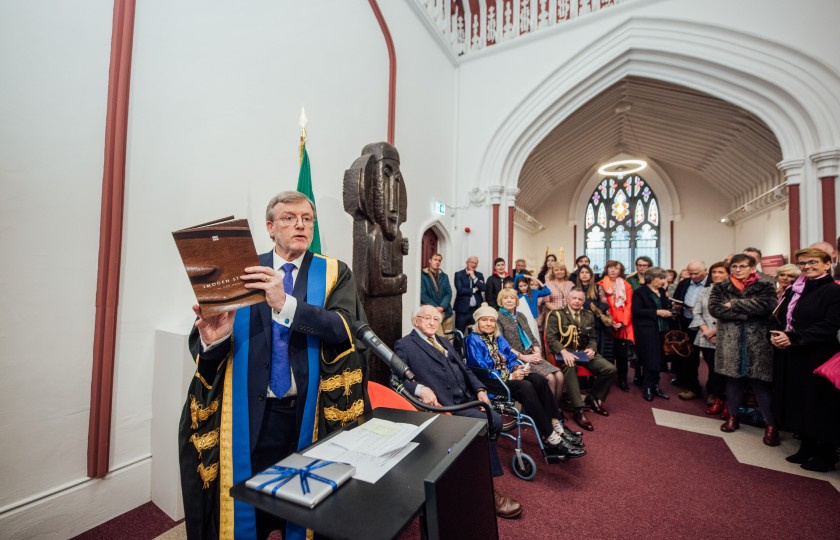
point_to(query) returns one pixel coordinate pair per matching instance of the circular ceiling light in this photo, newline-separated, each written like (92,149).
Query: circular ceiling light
(623,167)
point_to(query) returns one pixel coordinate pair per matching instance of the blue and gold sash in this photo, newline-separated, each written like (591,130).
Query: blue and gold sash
(237,519)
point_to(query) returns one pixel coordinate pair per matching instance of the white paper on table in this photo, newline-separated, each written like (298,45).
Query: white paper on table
(368,468)
(378,437)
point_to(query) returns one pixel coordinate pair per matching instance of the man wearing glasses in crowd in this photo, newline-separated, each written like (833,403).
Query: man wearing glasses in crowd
(637,278)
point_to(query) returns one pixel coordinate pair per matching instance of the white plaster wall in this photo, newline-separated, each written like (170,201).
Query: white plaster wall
(699,234)
(769,231)
(54,59)
(425,137)
(213,130)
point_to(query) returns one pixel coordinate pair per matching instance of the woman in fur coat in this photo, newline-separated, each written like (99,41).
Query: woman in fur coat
(742,305)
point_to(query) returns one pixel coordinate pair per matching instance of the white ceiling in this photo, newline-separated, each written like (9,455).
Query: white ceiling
(730,147)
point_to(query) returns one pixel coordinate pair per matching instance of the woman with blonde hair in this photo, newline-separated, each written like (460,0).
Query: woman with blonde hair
(558,283)
(523,343)
(785,276)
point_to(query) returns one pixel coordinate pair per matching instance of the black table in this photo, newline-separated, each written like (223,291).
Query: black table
(381,510)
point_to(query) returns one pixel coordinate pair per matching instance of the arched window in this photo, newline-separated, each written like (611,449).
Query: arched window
(622,222)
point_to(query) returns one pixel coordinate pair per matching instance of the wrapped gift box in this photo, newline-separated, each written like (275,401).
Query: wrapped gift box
(302,480)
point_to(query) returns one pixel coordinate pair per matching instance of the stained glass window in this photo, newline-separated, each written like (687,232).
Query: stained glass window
(622,222)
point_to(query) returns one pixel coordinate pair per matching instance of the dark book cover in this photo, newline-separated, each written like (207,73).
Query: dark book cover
(215,254)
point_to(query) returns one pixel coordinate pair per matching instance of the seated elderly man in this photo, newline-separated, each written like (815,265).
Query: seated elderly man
(570,333)
(442,379)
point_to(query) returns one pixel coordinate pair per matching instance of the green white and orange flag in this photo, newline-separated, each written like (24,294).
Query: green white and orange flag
(304,184)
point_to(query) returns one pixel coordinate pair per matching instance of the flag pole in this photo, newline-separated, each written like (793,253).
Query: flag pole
(302,122)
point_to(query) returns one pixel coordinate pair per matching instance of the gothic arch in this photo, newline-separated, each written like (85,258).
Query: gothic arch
(791,92)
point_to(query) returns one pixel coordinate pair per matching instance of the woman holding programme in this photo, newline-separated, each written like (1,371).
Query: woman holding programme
(524,345)
(805,328)
(651,316)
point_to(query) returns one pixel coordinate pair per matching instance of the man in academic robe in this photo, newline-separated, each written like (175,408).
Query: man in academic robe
(270,378)
(570,334)
(442,379)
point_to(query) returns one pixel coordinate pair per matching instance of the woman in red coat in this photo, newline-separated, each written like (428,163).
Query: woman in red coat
(618,294)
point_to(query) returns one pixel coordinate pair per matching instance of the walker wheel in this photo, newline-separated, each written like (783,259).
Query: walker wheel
(528,470)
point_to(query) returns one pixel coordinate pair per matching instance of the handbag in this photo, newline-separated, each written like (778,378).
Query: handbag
(677,343)
(831,370)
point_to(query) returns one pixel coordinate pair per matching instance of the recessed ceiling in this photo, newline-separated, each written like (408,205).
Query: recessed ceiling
(673,125)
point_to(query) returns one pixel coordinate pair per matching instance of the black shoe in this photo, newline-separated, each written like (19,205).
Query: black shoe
(574,452)
(820,463)
(624,386)
(800,457)
(576,441)
(659,393)
(676,382)
(647,393)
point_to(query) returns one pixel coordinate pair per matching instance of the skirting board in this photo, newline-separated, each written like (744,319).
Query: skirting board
(74,510)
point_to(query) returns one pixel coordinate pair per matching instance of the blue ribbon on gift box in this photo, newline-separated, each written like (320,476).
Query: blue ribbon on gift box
(284,474)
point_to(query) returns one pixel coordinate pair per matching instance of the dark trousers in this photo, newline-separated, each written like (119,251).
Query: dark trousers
(603,374)
(716,383)
(650,378)
(687,368)
(621,348)
(537,401)
(735,396)
(277,439)
(495,464)
(463,318)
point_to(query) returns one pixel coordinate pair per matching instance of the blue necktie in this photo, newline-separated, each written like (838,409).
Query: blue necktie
(281,376)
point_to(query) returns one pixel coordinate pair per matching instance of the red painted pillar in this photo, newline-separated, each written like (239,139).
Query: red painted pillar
(495,233)
(829,209)
(495,201)
(110,240)
(672,244)
(511,212)
(793,218)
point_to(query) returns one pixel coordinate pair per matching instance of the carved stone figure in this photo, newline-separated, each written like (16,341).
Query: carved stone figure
(374,194)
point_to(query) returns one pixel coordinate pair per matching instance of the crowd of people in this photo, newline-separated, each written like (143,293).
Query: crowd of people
(760,336)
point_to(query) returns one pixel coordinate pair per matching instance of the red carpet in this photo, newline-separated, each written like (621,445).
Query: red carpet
(639,480)
(642,480)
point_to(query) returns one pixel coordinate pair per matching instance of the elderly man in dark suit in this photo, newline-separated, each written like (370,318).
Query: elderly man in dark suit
(469,293)
(443,379)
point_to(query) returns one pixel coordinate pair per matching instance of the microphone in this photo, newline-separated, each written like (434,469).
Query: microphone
(362,331)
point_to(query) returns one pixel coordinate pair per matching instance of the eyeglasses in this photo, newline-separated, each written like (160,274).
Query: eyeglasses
(803,264)
(789,276)
(287,220)
(739,266)
(428,318)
